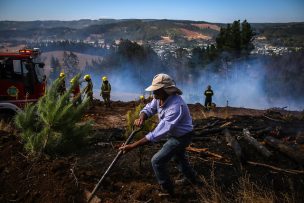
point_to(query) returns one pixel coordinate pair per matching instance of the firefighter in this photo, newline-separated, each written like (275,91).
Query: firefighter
(76,92)
(44,84)
(175,124)
(88,90)
(61,87)
(106,91)
(142,99)
(208,100)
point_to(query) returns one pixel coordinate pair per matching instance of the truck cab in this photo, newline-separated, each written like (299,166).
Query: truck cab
(21,79)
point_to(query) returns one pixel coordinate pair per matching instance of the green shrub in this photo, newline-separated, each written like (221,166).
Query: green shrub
(52,125)
(148,126)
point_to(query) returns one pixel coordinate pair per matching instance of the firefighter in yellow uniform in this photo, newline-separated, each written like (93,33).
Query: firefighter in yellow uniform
(106,91)
(88,90)
(142,99)
(61,87)
(76,92)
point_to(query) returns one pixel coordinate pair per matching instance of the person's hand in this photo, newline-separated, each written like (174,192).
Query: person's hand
(140,121)
(126,148)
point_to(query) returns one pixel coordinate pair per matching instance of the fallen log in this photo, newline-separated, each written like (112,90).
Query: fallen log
(213,161)
(280,146)
(273,119)
(204,151)
(193,149)
(226,124)
(260,148)
(233,143)
(203,138)
(263,131)
(207,131)
(208,125)
(292,171)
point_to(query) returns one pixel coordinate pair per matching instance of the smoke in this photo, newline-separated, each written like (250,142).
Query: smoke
(256,82)
(126,84)
(238,84)
(244,83)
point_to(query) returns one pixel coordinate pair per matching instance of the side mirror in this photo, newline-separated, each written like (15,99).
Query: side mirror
(41,65)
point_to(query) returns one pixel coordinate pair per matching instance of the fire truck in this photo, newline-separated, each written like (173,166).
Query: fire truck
(22,80)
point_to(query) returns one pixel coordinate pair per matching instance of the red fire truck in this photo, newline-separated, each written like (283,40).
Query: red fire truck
(21,79)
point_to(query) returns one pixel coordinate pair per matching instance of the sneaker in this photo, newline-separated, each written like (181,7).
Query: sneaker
(182,181)
(198,183)
(186,181)
(166,192)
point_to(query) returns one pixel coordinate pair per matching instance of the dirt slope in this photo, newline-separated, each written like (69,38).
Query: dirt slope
(66,178)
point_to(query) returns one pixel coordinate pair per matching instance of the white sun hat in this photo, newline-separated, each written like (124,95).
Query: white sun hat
(164,81)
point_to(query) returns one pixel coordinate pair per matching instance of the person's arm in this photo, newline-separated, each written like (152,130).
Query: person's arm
(129,147)
(150,109)
(171,119)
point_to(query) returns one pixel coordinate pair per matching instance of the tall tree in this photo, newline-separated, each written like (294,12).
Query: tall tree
(70,64)
(246,36)
(55,68)
(236,36)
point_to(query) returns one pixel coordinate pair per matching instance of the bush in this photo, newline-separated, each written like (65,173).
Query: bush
(148,126)
(52,125)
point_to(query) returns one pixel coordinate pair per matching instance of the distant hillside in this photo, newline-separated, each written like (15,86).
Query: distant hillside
(287,34)
(107,29)
(84,59)
(290,34)
(76,24)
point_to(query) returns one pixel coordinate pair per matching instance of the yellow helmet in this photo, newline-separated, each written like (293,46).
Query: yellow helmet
(62,75)
(104,78)
(87,77)
(142,97)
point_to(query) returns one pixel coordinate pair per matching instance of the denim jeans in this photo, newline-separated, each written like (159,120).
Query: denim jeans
(173,148)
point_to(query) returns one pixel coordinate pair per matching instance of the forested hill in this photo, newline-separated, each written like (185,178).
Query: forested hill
(107,29)
(137,29)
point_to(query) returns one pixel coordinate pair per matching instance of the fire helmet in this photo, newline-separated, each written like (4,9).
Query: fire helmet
(104,78)
(87,77)
(62,75)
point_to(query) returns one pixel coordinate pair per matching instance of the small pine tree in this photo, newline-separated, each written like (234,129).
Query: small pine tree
(148,126)
(52,125)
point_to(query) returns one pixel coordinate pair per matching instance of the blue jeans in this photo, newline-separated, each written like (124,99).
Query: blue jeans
(173,148)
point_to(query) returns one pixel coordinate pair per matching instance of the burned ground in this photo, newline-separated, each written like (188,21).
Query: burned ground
(66,178)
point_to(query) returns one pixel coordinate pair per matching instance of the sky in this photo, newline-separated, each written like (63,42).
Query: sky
(216,11)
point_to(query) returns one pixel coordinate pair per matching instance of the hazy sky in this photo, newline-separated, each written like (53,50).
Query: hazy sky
(206,10)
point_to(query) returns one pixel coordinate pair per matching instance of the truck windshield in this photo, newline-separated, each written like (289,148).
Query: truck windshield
(39,71)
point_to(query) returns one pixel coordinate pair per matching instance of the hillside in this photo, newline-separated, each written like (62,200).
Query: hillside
(84,59)
(226,177)
(108,29)
(139,29)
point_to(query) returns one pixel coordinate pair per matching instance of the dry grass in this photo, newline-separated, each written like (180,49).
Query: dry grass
(244,191)
(211,192)
(7,127)
(247,192)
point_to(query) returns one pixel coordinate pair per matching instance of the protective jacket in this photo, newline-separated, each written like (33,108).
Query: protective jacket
(105,88)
